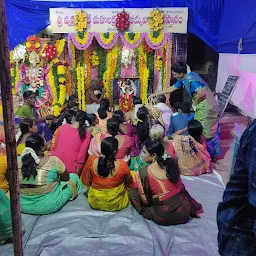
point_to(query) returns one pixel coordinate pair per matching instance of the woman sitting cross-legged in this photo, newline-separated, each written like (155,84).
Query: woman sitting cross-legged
(158,192)
(191,151)
(94,120)
(45,184)
(71,142)
(124,142)
(107,178)
(27,127)
(27,110)
(103,114)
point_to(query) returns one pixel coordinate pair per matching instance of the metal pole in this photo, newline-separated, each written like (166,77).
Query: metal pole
(8,115)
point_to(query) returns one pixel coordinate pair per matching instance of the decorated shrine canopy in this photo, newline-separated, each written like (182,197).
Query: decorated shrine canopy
(28,17)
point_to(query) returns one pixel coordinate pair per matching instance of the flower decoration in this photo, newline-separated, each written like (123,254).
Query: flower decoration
(147,48)
(122,21)
(49,52)
(159,62)
(19,53)
(94,58)
(156,20)
(126,58)
(33,44)
(80,21)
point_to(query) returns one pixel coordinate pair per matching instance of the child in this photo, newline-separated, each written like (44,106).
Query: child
(166,111)
(179,120)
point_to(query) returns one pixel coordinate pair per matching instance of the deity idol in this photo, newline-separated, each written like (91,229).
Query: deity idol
(126,89)
(33,78)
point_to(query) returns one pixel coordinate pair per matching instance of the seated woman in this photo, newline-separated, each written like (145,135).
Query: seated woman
(124,128)
(27,127)
(103,114)
(191,151)
(94,120)
(156,133)
(27,111)
(66,115)
(5,219)
(124,142)
(45,184)
(142,126)
(159,194)
(71,143)
(107,178)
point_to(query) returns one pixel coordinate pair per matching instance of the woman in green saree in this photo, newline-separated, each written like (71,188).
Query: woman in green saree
(204,104)
(45,184)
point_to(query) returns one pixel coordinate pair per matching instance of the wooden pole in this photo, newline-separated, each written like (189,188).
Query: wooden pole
(8,115)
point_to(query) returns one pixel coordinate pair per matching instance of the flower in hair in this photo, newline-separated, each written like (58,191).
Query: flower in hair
(165,156)
(87,123)
(32,152)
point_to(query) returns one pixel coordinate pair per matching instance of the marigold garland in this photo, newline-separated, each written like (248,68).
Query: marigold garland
(94,58)
(134,40)
(107,38)
(87,62)
(69,84)
(81,86)
(108,76)
(82,39)
(159,62)
(156,20)
(57,79)
(143,73)
(80,21)
(156,40)
(60,44)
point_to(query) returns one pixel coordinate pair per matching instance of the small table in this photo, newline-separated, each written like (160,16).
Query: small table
(235,145)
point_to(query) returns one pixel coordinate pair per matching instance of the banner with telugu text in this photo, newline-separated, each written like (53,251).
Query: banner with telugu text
(103,20)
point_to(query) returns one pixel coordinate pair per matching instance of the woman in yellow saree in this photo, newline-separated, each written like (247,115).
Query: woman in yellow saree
(107,179)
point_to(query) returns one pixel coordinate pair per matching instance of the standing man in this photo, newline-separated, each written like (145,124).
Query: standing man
(236,214)
(94,95)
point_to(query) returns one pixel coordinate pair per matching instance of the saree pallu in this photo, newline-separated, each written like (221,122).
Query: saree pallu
(193,159)
(114,199)
(42,128)
(5,218)
(41,201)
(207,113)
(172,208)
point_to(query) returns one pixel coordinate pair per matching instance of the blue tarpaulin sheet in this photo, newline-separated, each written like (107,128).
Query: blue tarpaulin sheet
(238,21)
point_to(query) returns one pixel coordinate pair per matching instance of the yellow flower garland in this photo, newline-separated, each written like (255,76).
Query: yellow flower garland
(156,40)
(143,73)
(107,40)
(73,50)
(58,101)
(83,40)
(94,58)
(159,63)
(80,21)
(134,40)
(156,20)
(87,62)
(81,87)
(108,75)
(60,44)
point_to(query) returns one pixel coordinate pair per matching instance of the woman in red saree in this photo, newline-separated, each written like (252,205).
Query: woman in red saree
(158,192)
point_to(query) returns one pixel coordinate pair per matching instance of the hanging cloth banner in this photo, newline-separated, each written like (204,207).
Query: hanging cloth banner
(104,20)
